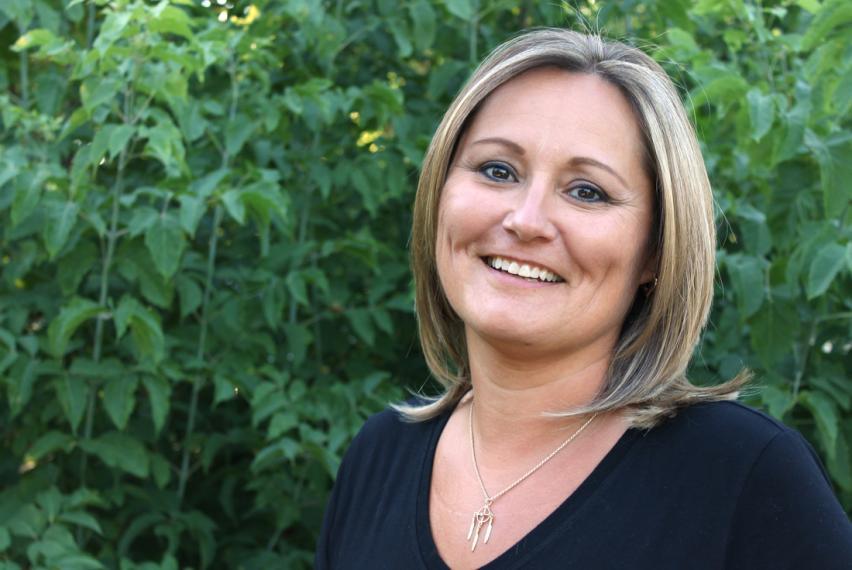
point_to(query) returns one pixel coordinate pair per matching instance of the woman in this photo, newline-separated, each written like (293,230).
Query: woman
(563,252)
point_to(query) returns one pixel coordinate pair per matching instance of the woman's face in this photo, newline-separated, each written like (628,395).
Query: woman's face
(545,217)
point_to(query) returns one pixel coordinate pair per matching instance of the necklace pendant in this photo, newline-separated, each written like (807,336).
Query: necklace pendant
(484,517)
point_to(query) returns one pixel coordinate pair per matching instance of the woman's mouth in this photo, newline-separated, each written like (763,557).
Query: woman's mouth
(527,271)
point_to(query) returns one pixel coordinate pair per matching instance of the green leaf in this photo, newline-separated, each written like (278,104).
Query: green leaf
(299,339)
(74,314)
(263,201)
(206,185)
(165,242)
(191,210)
(190,295)
(81,518)
(118,139)
(28,521)
(104,370)
(61,220)
(835,171)
(112,29)
(399,29)
(159,395)
(383,320)
(164,143)
(836,189)
(50,501)
(234,205)
(144,327)
(833,14)
(5,539)
(96,91)
(141,220)
(424,24)
(777,401)
(119,399)
(75,121)
(281,423)
(136,264)
(72,394)
(829,260)
(20,381)
(297,287)
(463,9)
(272,303)
(237,133)
(840,466)
(100,143)
(362,324)
(761,110)
(161,471)
(25,202)
(754,229)
(74,266)
(126,309)
(774,330)
(33,39)
(747,276)
(120,451)
(849,257)
(147,335)
(723,88)
(50,442)
(223,389)
(171,20)
(824,413)
(266,403)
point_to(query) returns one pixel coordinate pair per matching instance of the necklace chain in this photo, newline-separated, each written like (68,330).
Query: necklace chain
(485,516)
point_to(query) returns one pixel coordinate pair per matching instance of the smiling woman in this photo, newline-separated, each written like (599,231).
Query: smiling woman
(563,253)
(579,208)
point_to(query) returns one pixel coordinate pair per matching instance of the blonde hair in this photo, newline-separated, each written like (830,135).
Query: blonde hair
(647,373)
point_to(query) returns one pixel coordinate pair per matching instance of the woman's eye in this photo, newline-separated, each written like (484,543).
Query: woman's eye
(587,194)
(498,172)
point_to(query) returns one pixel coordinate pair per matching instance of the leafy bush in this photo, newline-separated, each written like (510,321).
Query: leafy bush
(204,213)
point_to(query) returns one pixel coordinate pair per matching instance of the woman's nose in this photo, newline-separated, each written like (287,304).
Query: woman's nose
(529,218)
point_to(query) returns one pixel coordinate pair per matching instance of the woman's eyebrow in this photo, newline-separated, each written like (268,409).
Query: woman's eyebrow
(514,147)
(573,162)
(589,161)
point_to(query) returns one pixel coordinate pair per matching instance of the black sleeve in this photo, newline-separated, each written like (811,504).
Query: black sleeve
(324,559)
(787,515)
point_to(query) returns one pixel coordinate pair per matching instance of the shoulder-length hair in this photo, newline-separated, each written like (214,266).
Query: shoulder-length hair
(647,371)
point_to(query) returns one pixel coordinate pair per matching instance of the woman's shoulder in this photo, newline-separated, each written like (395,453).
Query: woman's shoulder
(387,431)
(727,440)
(722,425)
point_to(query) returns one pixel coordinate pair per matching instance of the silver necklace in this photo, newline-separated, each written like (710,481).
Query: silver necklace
(484,517)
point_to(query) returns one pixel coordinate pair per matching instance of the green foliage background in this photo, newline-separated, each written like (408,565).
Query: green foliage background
(204,212)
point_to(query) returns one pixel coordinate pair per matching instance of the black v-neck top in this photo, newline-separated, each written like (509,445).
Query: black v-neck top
(718,486)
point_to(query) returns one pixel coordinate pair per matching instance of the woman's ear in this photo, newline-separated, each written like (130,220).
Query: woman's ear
(650,270)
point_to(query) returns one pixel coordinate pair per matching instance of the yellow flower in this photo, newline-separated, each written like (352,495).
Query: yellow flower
(252,13)
(367,137)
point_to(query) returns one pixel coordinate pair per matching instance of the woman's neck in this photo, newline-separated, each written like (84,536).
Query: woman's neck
(513,395)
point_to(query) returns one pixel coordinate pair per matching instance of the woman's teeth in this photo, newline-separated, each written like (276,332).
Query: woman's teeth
(523,270)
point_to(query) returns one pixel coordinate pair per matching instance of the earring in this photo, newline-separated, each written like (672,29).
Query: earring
(650,286)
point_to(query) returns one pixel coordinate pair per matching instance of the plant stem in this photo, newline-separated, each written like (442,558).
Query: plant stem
(112,239)
(90,25)
(199,354)
(24,76)
(183,476)
(317,327)
(473,33)
(797,381)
